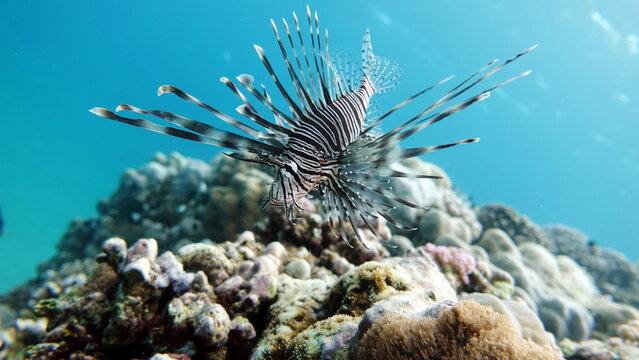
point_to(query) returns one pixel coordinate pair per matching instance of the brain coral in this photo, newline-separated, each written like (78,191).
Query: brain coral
(466,331)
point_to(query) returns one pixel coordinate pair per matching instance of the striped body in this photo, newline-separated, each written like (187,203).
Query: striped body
(324,135)
(324,140)
(331,128)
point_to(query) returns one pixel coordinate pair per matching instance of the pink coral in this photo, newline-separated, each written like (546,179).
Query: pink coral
(453,259)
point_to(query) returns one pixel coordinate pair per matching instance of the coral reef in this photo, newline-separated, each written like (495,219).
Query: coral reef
(446,208)
(518,227)
(171,199)
(610,270)
(547,268)
(620,346)
(207,275)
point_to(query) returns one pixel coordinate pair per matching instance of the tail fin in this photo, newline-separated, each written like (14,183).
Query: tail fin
(381,72)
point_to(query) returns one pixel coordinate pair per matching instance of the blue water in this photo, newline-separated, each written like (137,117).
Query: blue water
(559,145)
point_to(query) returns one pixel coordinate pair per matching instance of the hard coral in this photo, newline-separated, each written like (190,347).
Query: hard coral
(466,331)
(621,347)
(298,306)
(324,339)
(366,284)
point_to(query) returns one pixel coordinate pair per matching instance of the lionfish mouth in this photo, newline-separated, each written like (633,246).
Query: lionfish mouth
(324,137)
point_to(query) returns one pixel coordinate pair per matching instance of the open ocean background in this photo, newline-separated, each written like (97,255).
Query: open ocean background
(560,146)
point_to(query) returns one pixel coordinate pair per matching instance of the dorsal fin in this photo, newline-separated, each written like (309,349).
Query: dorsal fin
(381,72)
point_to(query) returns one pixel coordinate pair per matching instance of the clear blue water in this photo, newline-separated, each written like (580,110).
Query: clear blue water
(559,146)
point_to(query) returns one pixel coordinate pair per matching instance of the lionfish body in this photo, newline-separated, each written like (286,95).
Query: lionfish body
(326,140)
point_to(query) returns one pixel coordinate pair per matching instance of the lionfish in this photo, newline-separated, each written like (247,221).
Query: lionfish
(327,141)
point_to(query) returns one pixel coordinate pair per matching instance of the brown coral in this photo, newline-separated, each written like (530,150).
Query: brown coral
(466,331)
